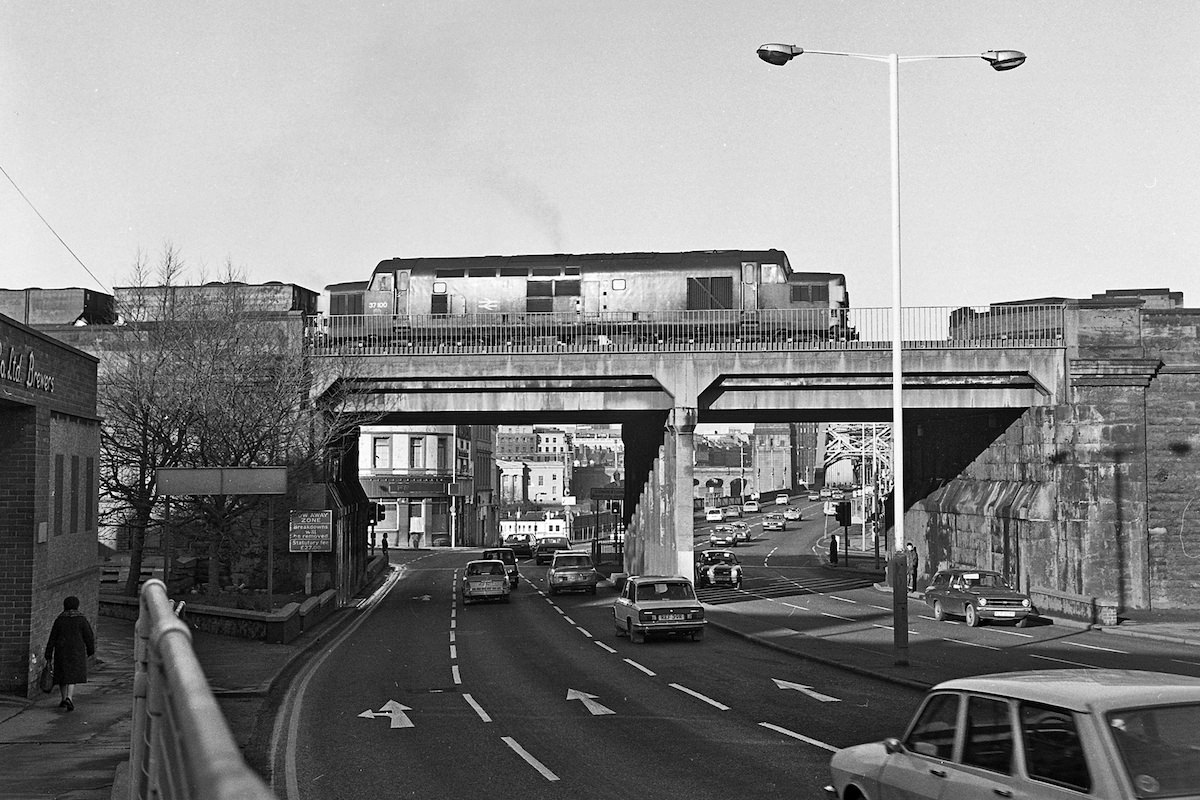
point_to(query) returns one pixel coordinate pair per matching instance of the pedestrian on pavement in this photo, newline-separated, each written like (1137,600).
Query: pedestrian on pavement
(833,549)
(71,643)
(911,552)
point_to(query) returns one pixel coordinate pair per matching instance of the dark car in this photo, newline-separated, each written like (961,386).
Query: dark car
(547,546)
(509,558)
(978,595)
(718,567)
(520,543)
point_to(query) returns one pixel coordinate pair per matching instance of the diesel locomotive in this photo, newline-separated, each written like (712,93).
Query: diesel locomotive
(609,297)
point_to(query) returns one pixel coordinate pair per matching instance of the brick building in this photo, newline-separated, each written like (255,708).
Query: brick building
(49,456)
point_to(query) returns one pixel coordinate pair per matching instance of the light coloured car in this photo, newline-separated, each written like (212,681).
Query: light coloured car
(658,605)
(782,498)
(774,522)
(977,595)
(751,507)
(733,511)
(1094,734)
(485,580)
(572,571)
(713,514)
(724,536)
(792,514)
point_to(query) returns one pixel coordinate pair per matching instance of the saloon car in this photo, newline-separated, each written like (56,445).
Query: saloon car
(509,558)
(485,580)
(572,571)
(718,568)
(751,507)
(978,596)
(724,536)
(792,514)
(521,543)
(658,605)
(546,546)
(1101,734)
(774,522)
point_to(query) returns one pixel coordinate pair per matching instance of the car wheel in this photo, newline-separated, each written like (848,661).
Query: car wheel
(738,585)
(972,616)
(553,591)
(698,635)
(939,613)
(617,628)
(507,598)
(1023,622)
(592,590)
(635,636)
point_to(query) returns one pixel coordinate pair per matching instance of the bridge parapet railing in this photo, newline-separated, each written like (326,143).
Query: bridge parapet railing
(923,327)
(181,745)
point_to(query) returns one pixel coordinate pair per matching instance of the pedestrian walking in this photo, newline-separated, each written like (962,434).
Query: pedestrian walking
(71,643)
(833,549)
(911,552)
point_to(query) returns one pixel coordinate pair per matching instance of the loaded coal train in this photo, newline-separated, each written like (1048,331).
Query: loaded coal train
(700,296)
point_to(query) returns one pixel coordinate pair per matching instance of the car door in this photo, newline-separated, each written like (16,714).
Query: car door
(984,767)
(918,770)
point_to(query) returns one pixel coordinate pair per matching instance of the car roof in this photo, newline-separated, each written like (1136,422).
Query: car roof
(562,553)
(657,578)
(1087,690)
(968,571)
(497,549)
(486,561)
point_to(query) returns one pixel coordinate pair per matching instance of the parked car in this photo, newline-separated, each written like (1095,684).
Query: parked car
(656,605)
(572,570)
(1103,734)
(792,514)
(773,522)
(751,507)
(509,558)
(718,568)
(546,546)
(978,596)
(485,580)
(723,536)
(521,543)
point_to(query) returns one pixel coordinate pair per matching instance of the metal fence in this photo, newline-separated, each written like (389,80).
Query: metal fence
(924,327)
(181,746)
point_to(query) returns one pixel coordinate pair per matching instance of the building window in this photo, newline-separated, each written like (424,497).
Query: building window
(58,494)
(381,454)
(416,452)
(441,455)
(75,493)
(89,506)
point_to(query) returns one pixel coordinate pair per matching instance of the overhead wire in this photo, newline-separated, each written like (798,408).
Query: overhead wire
(51,229)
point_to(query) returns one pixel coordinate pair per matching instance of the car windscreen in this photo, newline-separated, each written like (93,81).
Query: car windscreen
(506,556)
(573,561)
(1157,748)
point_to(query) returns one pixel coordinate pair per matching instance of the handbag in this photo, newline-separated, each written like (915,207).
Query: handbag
(46,677)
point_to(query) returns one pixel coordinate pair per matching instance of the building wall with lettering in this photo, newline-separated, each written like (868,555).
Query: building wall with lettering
(49,461)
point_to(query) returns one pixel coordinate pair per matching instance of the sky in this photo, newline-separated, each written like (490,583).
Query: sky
(306,142)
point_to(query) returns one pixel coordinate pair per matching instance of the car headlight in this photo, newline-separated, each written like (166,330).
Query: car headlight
(1025,602)
(983,601)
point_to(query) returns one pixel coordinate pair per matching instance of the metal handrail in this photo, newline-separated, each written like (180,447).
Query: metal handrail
(181,747)
(730,330)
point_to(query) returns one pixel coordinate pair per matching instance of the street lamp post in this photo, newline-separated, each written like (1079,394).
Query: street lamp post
(1000,60)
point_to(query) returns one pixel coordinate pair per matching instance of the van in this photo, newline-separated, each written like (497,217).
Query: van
(713,514)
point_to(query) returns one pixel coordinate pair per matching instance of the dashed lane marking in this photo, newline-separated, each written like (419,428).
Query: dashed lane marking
(636,665)
(800,736)
(529,759)
(483,715)
(698,696)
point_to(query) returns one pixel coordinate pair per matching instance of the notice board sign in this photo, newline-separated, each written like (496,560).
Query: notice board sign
(310,532)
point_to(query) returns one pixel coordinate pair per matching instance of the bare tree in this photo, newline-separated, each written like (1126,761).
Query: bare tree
(202,376)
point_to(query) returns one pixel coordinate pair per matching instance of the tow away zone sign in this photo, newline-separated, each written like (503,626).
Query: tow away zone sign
(310,532)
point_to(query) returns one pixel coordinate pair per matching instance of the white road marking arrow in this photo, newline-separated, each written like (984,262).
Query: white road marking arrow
(589,702)
(394,710)
(808,690)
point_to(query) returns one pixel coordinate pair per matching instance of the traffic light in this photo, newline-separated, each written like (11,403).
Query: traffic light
(376,512)
(842,513)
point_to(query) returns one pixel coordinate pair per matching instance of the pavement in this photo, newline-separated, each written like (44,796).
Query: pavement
(46,752)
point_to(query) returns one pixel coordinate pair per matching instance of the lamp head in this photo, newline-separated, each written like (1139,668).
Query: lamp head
(1002,60)
(779,54)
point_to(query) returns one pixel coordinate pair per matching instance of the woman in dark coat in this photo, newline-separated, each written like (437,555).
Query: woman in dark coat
(71,642)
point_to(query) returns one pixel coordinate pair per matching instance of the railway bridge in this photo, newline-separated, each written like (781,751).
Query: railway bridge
(1041,440)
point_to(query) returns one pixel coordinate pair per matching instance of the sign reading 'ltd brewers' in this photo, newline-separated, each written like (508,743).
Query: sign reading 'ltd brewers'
(21,368)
